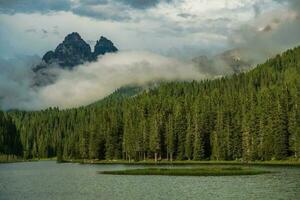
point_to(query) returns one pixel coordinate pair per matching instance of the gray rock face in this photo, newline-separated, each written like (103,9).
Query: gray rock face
(75,51)
(71,52)
(49,56)
(104,46)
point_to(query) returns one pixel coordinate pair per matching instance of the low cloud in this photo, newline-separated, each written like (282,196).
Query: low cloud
(30,6)
(92,81)
(269,33)
(15,80)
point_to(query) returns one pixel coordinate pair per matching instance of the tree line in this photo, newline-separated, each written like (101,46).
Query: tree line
(10,144)
(249,116)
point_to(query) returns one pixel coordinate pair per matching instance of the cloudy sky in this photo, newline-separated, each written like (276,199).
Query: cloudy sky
(183,28)
(156,38)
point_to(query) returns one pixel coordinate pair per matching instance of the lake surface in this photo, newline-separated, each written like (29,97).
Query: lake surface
(46,180)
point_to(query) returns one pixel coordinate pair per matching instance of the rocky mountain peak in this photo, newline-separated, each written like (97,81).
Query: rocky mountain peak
(71,52)
(73,37)
(103,46)
(74,51)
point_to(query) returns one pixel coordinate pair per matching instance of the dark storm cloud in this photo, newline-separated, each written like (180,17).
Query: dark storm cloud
(112,9)
(137,4)
(143,4)
(186,15)
(94,2)
(31,6)
(115,10)
(103,11)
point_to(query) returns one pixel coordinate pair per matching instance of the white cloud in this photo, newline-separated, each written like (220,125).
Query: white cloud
(93,81)
(89,82)
(201,25)
(268,34)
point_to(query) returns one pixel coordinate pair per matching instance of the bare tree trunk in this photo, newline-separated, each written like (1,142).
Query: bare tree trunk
(155,156)
(144,156)
(171,157)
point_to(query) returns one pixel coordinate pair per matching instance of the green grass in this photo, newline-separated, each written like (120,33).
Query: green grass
(14,159)
(10,161)
(215,171)
(294,163)
(9,158)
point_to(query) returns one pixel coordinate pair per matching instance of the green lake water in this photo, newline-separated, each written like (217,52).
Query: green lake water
(45,180)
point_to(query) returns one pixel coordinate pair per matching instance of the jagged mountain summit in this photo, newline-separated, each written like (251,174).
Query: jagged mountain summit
(71,52)
(75,51)
(104,46)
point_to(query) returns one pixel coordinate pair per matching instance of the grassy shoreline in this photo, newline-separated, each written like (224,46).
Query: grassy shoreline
(18,160)
(292,163)
(216,171)
(152,162)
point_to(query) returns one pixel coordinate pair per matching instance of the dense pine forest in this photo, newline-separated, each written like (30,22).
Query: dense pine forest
(10,144)
(249,116)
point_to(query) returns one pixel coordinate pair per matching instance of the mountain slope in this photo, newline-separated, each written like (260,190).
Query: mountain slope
(229,62)
(250,116)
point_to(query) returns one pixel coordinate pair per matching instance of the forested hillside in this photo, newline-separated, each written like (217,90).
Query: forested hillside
(9,138)
(250,116)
